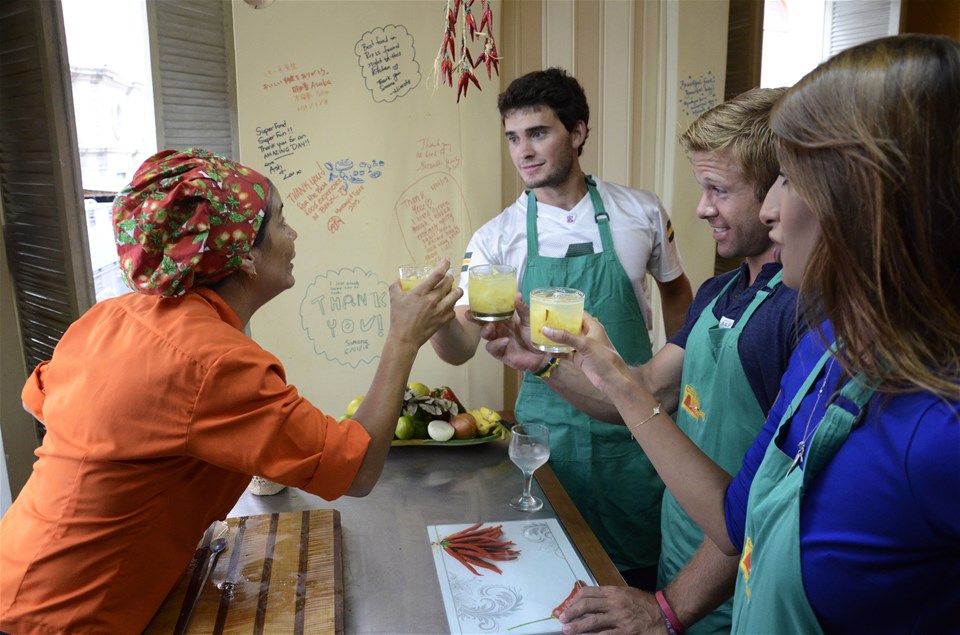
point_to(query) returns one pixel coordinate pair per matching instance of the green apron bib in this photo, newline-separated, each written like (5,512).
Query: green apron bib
(719,412)
(607,475)
(769,597)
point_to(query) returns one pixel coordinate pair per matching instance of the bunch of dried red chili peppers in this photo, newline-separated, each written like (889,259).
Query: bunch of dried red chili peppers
(473,547)
(444,67)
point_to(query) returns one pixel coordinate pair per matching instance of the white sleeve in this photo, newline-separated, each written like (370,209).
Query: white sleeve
(665,264)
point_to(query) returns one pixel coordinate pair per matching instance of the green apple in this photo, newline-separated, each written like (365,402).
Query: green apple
(405,428)
(353,405)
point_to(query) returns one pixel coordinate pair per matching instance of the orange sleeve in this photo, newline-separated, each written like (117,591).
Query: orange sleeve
(247,418)
(33,394)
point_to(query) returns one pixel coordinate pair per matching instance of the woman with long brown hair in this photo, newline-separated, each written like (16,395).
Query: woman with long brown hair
(845,512)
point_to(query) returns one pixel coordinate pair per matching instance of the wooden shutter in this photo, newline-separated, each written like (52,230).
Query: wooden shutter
(191,43)
(852,22)
(42,212)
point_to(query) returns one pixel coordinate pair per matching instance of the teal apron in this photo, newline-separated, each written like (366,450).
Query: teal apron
(607,475)
(719,412)
(770,597)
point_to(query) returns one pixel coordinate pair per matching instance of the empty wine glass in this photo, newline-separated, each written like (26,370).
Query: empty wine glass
(529,449)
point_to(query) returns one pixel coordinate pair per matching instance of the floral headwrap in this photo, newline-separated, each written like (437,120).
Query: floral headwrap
(187,219)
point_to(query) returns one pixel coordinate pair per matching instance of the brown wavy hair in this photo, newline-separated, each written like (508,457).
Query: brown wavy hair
(871,142)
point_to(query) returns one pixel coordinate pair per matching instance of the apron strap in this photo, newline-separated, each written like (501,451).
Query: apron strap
(837,423)
(761,295)
(601,216)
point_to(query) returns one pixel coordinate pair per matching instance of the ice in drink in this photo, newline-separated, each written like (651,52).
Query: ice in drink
(558,307)
(412,275)
(492,289)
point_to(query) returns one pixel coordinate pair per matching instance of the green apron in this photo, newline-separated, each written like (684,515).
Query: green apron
(607,475)
(719,412)
(770,597)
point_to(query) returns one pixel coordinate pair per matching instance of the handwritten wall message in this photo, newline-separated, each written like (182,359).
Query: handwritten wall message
(388,62)
(278,142)
(345,314)
(324,194)
(433,218)
(698,94)
(310,88)
(434,154)
(349,172)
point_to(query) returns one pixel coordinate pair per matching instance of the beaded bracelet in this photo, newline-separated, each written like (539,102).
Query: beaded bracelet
(544,372)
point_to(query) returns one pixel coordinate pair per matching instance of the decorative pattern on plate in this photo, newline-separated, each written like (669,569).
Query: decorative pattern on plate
(485,604)
(529,588)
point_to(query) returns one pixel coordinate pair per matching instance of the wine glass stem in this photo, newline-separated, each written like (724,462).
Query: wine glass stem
(527,481)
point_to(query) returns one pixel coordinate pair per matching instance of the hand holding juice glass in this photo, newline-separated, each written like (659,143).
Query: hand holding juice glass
(492,290)
(413,274)
(558,307)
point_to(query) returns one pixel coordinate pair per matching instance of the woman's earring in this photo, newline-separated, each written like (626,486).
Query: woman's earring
(253,276)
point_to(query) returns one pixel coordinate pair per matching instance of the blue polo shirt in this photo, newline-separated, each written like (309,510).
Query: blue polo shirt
(880,524)
(768,338)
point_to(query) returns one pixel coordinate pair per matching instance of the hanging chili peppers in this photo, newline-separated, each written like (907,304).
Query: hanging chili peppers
(472,547)
(449,63)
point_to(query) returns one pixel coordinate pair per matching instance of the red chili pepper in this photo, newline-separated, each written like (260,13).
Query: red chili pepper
(487,20)
(471,24)
(473,547)
(579,584)
(555,614)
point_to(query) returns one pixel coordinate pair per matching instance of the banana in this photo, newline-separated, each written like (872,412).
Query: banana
(488,421)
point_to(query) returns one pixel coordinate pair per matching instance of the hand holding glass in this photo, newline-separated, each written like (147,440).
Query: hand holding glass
(412,275)
(492,289)
(559,307)
(529,449)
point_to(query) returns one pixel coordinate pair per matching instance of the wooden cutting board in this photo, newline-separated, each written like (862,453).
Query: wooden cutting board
(280,573)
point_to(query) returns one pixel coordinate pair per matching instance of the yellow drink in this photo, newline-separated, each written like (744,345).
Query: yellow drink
(492,289)
(412,275)
(559,307)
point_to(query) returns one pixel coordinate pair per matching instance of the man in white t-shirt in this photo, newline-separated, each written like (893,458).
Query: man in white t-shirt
(572,230)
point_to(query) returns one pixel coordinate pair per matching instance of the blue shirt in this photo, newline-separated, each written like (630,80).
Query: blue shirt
(768,338)
(880,525)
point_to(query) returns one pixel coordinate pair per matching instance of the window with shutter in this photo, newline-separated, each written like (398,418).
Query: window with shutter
(852,22)
(42,209)
(193,76)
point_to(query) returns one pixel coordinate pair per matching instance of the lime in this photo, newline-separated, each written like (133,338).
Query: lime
(405,428)
(420,429)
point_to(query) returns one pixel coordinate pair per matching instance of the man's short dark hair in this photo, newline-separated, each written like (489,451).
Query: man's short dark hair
(552,88)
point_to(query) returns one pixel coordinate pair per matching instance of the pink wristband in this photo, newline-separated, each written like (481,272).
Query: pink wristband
(674,626)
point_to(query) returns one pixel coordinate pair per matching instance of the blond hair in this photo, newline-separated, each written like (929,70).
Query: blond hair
(741,124)
(871,142)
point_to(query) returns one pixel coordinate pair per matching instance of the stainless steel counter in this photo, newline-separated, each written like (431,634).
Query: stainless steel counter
(390,582)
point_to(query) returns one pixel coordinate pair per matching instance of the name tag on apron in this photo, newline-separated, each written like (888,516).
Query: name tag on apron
(725,323)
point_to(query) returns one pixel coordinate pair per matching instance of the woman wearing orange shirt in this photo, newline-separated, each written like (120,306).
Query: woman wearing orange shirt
(158,408)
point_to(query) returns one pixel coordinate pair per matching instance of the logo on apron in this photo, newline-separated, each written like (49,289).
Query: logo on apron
(745,561)
(691,403)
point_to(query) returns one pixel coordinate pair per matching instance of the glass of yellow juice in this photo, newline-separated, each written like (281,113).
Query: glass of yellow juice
(412,275)
(559,307)
(492,289)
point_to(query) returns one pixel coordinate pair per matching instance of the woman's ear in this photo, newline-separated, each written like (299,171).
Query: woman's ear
(248,266)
